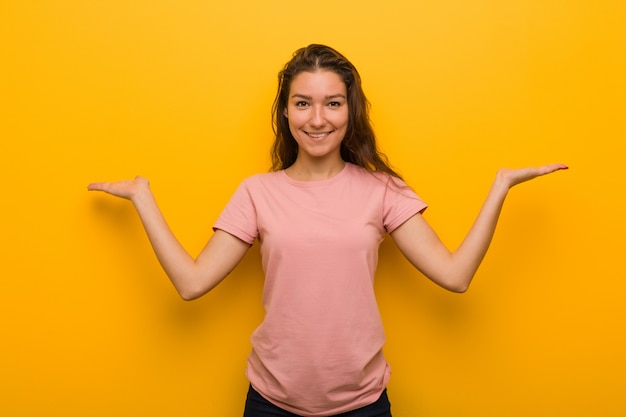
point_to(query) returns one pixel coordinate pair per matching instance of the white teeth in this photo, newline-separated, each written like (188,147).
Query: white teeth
(317,135)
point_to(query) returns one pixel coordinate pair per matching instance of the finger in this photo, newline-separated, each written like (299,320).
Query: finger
(97,186)
(547,169)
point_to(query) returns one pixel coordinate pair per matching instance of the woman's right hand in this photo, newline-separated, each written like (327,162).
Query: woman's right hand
(191,277)
(127,189)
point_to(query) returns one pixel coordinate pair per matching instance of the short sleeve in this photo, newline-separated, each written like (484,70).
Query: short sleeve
(400,204)
(239,216)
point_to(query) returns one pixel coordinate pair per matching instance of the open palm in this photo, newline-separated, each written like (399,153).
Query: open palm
(125,189)
(512,177)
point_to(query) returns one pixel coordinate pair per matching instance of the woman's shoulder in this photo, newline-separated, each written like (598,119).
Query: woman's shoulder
(383,182)
(264,178)
(375,177)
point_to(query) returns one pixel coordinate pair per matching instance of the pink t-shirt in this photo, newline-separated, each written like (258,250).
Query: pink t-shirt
(318,350)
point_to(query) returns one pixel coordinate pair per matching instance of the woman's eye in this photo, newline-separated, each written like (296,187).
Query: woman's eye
(334,104)
(301,104)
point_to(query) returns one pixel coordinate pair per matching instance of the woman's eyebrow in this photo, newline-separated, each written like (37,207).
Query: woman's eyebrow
(305,97)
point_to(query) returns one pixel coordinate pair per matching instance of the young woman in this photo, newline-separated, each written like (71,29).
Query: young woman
(319,216)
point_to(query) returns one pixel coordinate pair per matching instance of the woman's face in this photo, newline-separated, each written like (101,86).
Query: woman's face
(317,111)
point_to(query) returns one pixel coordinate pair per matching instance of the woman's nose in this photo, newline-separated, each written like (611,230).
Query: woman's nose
(317,117)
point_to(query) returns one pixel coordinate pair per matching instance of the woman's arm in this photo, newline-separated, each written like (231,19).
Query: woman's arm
(192,278)
(455,270)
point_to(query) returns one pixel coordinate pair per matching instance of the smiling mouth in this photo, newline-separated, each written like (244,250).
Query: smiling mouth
(318,135)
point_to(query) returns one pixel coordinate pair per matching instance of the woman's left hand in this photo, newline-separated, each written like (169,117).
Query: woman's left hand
(512,177)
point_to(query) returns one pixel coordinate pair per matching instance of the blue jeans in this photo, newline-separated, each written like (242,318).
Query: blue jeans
(257,406)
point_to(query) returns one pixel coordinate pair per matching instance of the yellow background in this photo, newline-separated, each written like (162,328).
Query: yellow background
(180,92)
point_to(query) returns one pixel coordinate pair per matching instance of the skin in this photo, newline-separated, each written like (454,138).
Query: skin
(455,270)
(318,117)
(317,112)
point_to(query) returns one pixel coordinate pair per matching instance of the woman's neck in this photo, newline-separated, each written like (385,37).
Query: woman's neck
(315,170)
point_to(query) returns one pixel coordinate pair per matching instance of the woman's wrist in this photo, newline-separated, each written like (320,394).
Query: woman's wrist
(501,185)
(143,195)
